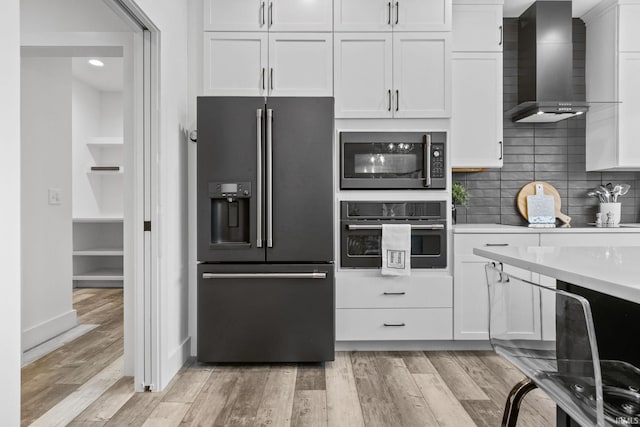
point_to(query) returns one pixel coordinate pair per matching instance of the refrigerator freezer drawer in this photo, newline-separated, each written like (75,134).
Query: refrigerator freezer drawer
(266,313)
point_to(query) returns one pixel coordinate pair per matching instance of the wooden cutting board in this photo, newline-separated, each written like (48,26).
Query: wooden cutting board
(530,189)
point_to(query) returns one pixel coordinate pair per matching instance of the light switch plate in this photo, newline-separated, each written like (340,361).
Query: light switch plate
(55,196)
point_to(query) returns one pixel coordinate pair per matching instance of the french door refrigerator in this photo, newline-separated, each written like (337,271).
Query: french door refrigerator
(265,229)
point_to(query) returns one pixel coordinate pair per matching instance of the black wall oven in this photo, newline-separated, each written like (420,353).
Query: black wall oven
(361,232)
(393,160)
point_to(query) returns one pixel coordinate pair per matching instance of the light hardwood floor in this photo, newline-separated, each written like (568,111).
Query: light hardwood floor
(358,389)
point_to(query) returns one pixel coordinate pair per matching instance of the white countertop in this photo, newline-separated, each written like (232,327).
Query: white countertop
(500,228)
(612,270)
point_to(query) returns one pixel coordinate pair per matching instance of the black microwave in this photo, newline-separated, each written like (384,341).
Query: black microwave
(393,160)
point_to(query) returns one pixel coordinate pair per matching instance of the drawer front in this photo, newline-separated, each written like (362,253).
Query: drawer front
(394,324)
(464,243)
(394,292)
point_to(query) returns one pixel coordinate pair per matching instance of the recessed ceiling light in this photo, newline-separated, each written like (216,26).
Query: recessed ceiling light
(96,63)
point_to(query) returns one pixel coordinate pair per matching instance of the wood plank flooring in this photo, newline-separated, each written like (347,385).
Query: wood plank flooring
(61,373)
(456,389)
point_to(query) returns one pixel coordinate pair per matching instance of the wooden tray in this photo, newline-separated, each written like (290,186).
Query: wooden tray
(530,189)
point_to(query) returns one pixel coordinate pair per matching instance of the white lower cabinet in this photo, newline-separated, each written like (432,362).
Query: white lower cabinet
(471,297)
(375,308)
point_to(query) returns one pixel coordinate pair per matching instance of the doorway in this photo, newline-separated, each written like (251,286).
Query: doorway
(106,244)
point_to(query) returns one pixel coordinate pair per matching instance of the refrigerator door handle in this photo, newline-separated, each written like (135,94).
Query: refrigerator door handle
(259,237)
(310,275)
(269,178)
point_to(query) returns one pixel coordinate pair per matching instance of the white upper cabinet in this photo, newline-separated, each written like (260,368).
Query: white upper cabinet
(363,75)
(300,15)
(268,15)
(235,64)
(476,119)
(422,15)
(300,64)
(421,75)
(236,15)
(362,15)
(613,87)
(397,15)
(477,28)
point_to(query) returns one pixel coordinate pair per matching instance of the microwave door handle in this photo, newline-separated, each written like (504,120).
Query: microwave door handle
(427,160)
(269,178)
(259,238)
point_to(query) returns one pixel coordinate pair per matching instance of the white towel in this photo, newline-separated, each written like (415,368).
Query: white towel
(396,250)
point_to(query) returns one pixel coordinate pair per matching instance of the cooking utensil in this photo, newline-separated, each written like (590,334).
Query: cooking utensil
(605,193)
(530,189)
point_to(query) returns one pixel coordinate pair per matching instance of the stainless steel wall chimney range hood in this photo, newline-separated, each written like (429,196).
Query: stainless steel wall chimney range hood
(545,65)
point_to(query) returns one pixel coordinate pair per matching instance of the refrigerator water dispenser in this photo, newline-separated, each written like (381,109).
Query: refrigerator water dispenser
(230,213)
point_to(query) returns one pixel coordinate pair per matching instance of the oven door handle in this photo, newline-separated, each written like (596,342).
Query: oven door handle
(427,160)
(379,227)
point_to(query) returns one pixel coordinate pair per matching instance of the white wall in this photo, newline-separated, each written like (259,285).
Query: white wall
(111,114)
(85,124)
(46,229)
(10,213)
(170,17)
(68,16)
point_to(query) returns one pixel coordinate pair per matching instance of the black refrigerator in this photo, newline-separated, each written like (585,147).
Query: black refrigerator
(265,229)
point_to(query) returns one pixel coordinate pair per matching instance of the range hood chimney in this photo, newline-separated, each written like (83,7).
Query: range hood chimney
(545,65)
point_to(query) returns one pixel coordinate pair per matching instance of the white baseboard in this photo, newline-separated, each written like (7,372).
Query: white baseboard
(411,345)
(48,329)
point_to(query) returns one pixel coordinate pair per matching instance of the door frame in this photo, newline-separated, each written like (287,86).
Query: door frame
(141,58)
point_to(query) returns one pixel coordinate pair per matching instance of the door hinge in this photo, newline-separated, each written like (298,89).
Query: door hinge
(147,226)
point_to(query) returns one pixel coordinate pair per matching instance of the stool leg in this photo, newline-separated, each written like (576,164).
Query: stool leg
(514,399)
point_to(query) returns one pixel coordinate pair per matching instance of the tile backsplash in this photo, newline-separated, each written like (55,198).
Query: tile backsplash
(552,152)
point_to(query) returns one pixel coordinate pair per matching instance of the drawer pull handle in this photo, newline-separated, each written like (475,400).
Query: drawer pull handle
(395,325)
(395,293)
(497,244)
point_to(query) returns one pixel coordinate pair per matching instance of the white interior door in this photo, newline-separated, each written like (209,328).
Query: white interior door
(235,64)
(422,15)
(362,15)
(476,119)
(300,64)
(236,15)
(297,15)
(421,75)
(363,75)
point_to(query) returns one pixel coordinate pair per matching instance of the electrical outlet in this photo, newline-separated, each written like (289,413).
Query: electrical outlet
(55,196)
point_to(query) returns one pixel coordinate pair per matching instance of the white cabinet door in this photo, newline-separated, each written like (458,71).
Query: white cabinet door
(477,28)
(422,15)
(476,119)
(362,75)
(236,15)
(629,110)
(300,15)
(421,75)
(362,15)
(300,64)
(235,64)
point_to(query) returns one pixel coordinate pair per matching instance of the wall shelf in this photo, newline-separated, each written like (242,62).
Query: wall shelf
(105,274)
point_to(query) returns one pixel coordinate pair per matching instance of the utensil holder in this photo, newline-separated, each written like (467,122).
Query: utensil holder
(612,208)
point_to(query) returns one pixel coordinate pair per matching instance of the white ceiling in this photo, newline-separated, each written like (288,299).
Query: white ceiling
(514,8)
(105,79)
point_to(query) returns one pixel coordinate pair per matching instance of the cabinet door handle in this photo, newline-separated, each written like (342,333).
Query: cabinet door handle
(397,12)
(496,244)
(262,14)
(389,13)
(270,14)
(394,325)
(394,293)
(389,100)
(501,35)
(271,78)
(397,100)
(501,150)
(263,70)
